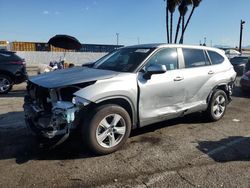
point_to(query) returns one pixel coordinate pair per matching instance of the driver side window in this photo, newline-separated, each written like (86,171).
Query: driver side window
(167,57)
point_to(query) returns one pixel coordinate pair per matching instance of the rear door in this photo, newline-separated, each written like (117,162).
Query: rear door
(197,71)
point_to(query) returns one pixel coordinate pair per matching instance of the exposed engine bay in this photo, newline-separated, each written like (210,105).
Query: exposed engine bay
(51,112)
(52,106)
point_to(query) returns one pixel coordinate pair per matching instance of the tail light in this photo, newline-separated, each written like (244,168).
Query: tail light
(19,63)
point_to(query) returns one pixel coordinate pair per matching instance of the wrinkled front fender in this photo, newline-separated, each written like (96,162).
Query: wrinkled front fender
(122,86)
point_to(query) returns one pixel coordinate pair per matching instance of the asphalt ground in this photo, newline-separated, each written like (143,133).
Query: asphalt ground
(184,152)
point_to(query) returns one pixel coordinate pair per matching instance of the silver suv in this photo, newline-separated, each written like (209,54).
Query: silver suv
(129,88)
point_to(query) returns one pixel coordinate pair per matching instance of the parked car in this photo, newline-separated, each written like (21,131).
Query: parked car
(12,70)
(245,82)
(230,53)
(239,64)
(247,67)
(130,88)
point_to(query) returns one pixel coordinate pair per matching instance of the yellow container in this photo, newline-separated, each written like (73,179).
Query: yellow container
(3,43)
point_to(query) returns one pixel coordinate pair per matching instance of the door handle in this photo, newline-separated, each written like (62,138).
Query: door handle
(211,72)
(178,78)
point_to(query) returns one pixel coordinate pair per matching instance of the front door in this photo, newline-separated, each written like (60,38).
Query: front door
(161,97)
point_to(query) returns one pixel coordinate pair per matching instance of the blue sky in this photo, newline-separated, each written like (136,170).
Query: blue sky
(98,21)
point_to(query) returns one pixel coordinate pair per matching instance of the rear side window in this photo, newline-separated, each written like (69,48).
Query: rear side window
(9,56)
(194,58)
(215,57)
(167,57)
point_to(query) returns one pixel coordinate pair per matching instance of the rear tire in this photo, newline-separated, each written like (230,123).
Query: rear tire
(6,84)
(107,129)
(217,105)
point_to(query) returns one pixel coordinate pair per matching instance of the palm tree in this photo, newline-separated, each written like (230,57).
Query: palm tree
(172,4)
(182,12)
(167,25)
(186,4)
(195,3)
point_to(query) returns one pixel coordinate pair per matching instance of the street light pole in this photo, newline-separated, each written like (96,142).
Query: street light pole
(241,29)
(138,40)
(117,39)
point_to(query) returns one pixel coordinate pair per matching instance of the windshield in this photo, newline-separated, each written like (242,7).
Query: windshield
(123,60)
(239,60)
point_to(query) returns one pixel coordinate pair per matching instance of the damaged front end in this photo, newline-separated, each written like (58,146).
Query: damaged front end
(51,112)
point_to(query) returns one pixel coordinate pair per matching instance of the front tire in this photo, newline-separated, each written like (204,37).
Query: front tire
(5,84)
(107,129)
(217,105)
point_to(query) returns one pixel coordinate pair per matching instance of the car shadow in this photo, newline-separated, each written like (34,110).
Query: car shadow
(195,118)
(23,146)
(234,148)
(14,93)
(17,142)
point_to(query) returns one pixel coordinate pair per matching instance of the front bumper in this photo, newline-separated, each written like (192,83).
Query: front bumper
(49,124)
(20,75)
(239,70)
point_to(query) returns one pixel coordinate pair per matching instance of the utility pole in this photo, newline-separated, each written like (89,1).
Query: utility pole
(117,39)
(205,41)
(138,40)
(241,29)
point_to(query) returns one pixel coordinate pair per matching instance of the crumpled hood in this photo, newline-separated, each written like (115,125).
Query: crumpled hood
(71,76)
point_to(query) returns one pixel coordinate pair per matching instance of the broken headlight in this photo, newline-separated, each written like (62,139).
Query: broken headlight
(66,110)
(80,101)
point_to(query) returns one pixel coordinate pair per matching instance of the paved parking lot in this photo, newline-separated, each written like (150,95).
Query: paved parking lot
(185,152)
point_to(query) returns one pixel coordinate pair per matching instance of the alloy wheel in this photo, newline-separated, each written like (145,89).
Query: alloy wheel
(4,85)
(110,130)
(219,106)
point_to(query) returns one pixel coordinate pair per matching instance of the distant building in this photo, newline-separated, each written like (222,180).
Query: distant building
(4,45)
(42,46)
(99,47)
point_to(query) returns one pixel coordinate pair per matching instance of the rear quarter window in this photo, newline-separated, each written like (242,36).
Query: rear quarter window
(215,58)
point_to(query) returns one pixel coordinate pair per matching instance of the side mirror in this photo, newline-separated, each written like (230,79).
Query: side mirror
(88,64)
(154,69)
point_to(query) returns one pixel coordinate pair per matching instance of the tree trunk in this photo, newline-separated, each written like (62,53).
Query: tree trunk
(171,27)
(177,29)
(167,22)
(185,27)
(189,18)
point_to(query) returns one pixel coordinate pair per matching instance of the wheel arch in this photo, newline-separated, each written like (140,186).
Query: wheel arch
(9,74)
(121,101)
(224,87)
